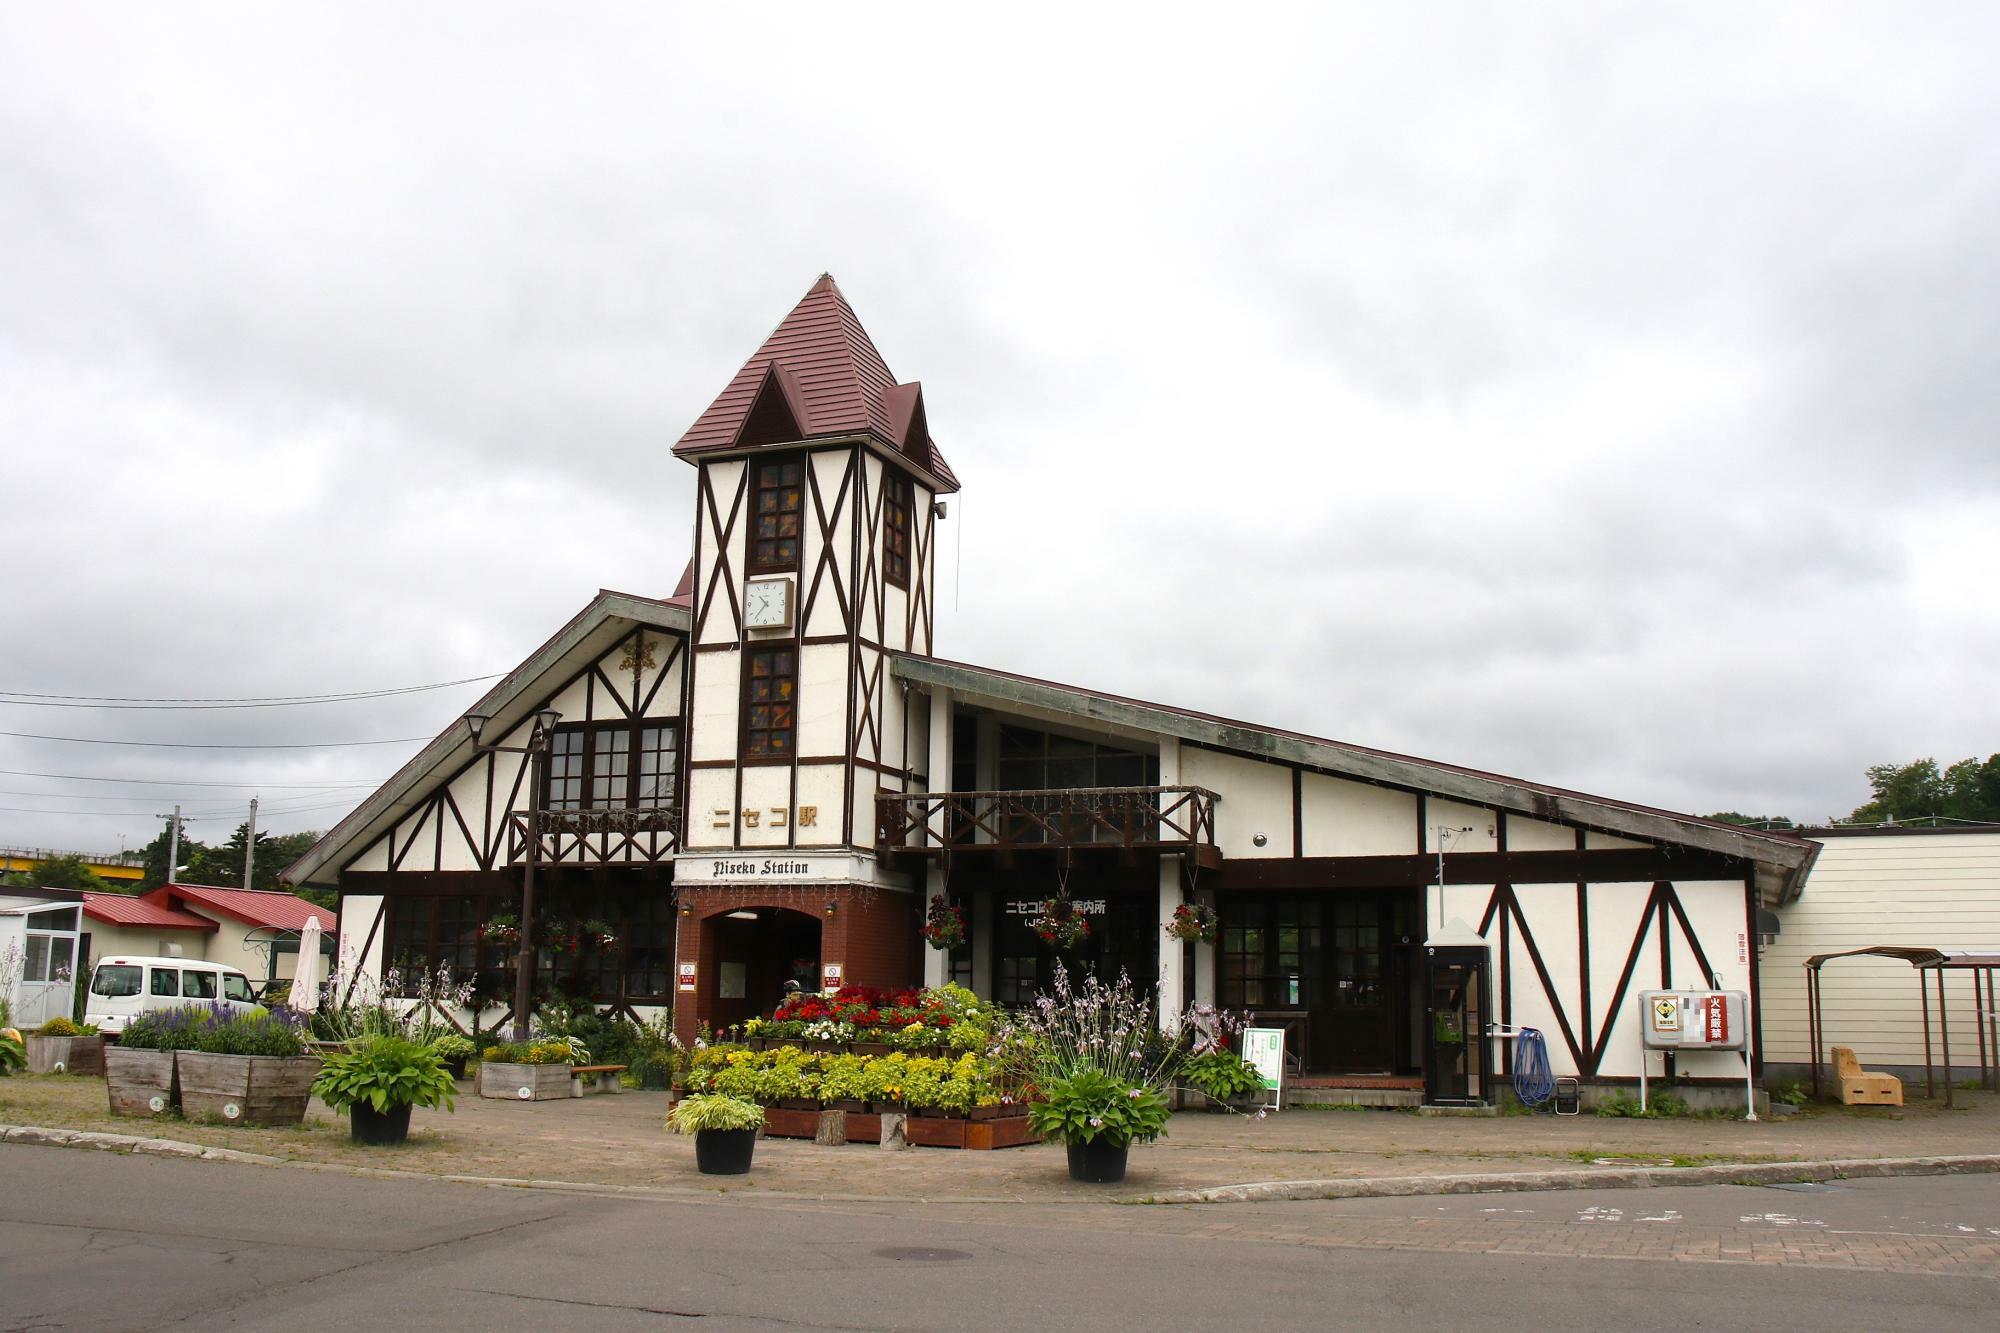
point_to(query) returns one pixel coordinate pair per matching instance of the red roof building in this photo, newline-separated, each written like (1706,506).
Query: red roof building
(249,907)
(120,909)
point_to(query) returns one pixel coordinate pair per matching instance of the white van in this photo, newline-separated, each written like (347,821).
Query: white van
(126,985)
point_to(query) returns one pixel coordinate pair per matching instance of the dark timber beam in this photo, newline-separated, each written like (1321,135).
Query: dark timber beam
(1607,866)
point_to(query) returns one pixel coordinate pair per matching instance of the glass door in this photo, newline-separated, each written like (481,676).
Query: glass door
(1455,1070)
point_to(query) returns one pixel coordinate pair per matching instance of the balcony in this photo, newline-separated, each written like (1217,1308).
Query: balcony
(596,835)
(1005,824)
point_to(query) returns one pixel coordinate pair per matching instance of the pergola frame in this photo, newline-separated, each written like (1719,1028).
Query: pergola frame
(1981,963)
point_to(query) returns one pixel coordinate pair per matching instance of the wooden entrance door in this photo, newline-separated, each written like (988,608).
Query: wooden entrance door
(1330,966)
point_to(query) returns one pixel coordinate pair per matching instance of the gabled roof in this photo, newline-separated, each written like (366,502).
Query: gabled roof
(118,909)
(818,375)
(506,703)
(1782,859)
(252,907)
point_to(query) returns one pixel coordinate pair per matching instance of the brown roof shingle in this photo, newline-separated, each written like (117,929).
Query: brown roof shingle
(831,376)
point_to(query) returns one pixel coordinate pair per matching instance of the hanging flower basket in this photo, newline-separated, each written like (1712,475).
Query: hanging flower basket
(1194,922)
(598,935)
(1061,924)
(944,925)
(559,937)
(502,930)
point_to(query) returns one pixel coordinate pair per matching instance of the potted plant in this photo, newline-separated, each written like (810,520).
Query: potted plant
(249,1068)
(503,929)
(454,1051)
(724,1129)
(1060,924)
(141,1072)
(378,1081)
(1098,1118)
(944,925)
(1194,922)
(530,1071)
(12,1056)
(1223,1077)
(61,1046)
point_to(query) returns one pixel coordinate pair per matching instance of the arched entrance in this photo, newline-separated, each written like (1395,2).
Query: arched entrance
(756,950)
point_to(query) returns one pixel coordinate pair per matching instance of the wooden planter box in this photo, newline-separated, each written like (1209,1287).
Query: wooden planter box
(65,1055)
(926,1131)
(247,1089)
(780,1123)
(141,1082)
(525,1083)
(863,1127)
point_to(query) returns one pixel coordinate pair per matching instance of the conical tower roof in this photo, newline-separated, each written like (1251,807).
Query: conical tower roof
(818,375)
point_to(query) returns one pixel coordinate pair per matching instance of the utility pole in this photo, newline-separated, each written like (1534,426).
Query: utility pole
(174,844)
(250,845)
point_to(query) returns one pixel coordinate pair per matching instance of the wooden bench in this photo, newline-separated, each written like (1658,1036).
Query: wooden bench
(1858,1087)
(595,1078)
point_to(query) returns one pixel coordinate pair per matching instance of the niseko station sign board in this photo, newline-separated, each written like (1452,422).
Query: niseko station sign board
(1264,1049)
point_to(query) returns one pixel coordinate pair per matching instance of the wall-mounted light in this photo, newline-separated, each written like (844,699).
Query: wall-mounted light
(1260,840)
(940,508)
(831,907)
(687,909)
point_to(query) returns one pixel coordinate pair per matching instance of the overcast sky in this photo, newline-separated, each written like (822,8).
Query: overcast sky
(1603,395)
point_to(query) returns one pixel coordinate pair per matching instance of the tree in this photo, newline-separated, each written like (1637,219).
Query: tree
(155,853)
(1753,821)
(59,872)
(1968,790)
(224,865)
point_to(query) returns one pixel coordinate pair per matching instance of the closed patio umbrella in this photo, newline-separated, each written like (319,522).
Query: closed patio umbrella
(307,977)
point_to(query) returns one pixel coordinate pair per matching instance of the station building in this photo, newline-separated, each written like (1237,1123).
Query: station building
(768,775)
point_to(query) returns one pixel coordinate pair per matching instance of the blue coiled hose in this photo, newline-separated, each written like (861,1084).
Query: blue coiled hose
(1533,1083)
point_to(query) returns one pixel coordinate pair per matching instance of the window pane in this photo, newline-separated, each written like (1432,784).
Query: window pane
(235,987)
(62,958)
(166,981)
(114,981)
(36,966)
(199,985)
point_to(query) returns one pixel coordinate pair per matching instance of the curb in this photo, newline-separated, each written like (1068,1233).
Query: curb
(1270,1191)
(1645,1177)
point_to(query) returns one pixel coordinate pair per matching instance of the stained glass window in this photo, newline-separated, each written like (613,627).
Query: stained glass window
(777,506)
(770,706)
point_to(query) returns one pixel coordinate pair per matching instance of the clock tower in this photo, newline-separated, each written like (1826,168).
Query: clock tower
(815,523)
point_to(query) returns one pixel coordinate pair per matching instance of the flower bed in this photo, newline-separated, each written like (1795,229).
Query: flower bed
(949,1018)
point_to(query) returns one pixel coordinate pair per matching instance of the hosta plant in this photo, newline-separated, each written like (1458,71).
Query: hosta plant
(13,1055)
(1223,1075)
(1091,1106)
(384,1073)
(713,1110)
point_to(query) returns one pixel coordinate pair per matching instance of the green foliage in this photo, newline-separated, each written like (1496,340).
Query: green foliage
(660,1057)
(451,1046)
(66,1027)
(1752,821)
(1967,790)
(60,872)
(224,865)
(13,1053)
(212,1032)
(713,1110)
(1659,1106)
(385,1072)
(1223,1075)
(556,1052)
(1792,1094)
(1090,1105)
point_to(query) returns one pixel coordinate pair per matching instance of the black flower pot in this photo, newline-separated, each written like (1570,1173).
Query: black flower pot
(456,1066)
(724,1152)
(1098,1162)
(368,1125)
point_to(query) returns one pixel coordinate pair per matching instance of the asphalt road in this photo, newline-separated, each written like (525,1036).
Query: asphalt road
(95,1241)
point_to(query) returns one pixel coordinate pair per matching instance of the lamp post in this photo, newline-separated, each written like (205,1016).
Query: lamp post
(537,750)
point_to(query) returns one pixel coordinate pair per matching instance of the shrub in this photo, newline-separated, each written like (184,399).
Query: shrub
(559,1052)
(1659,1106)
(64,1027)
(251,1033)
(13,1055)
(1223,1075)
(385,1072)
(1109,1029)
(1090,1105)
(692,1115)
(452,1046)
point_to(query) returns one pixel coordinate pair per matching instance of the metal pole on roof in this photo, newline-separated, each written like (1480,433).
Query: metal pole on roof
(174,845)
(250,859)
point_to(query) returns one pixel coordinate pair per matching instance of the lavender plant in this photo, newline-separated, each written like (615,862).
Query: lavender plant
(354,1003)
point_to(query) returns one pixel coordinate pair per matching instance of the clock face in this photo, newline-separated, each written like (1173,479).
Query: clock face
(767,604)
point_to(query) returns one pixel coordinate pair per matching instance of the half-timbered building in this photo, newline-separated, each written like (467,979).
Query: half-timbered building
(766,778)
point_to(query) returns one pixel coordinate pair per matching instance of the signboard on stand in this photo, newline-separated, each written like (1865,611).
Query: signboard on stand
(1264,1050)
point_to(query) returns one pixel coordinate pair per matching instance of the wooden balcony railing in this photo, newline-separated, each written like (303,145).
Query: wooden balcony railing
(1003,823)
(596,835)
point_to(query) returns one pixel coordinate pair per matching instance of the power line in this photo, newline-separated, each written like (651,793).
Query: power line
(185,819)
(217,803)
(212,745)
(30,699)
(190,782)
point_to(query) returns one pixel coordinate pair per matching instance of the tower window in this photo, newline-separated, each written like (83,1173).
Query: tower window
(896,530)
(770,706)
(777,505)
